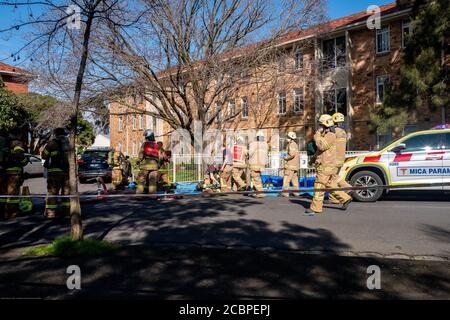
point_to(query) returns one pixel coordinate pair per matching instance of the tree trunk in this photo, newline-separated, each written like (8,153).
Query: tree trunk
(75,207)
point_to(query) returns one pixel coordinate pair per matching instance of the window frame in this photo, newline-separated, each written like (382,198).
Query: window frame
(405,24)
(382,32)
(120,124)
(335,64)
(302,99)
(218,112)
(134,120)
(231,102)
(281,100)
(244,101)
(298,53)
(141,122)
(386,77)
(335,102)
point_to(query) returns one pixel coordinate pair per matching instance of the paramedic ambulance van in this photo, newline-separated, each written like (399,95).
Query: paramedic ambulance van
(421,157)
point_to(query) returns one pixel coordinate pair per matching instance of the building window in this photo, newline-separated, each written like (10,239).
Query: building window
(218,112)
(141,121)
(383,40)
(298,100)
(120,123)
(334,53)
(282,102)
(335,100)
(134,149)
(298,59)
(244,107)
(406,31)
(231,108)
(381,88)
(134,122)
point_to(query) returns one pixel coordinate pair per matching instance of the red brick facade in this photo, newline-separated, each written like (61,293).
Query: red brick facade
(15,79)
(352,87)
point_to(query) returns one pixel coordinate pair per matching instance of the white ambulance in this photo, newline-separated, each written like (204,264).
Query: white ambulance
(419,158)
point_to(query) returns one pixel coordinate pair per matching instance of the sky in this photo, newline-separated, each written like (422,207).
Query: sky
(336,9)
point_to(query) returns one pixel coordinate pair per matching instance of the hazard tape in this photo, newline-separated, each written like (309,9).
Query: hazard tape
(304,190)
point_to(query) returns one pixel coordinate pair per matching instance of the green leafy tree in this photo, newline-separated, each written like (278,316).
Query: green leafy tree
(423,85)
(12,113)
(86,135)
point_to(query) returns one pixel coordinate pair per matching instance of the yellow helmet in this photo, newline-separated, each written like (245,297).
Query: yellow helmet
(326,120)
(338,117)
(292,135)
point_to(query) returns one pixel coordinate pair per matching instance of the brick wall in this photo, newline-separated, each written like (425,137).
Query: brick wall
(365,65)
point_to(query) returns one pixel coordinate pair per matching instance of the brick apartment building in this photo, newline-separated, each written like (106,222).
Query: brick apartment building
(15,79)
(341,65)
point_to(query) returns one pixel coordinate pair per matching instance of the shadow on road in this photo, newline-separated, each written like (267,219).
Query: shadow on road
(178,259)
(192,273)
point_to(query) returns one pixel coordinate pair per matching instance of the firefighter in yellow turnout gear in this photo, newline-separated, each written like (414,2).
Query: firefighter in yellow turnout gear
(56,159)
(341,148)
(291,165)
(15,161)
(116,161)
(325,165)
(149,158)
(257,161)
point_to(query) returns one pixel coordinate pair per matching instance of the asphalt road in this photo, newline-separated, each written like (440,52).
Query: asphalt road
(239,247)
(401,226)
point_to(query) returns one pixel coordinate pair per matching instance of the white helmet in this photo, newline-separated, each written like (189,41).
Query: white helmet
(292,135)
(240,140)
(260,133)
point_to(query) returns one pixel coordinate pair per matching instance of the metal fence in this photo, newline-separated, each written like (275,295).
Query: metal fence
(192,168)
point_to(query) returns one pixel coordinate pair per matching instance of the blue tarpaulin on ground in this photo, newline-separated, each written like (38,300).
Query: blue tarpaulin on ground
(269,182)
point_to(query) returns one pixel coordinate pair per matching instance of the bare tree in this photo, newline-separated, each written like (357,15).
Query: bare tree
(59,42)
(188,56)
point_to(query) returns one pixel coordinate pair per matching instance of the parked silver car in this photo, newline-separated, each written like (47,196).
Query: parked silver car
(35,166)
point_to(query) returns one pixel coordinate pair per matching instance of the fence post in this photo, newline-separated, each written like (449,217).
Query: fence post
(199,166)
(174,165)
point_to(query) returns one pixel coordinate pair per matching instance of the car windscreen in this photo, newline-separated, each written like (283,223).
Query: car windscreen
(95,156)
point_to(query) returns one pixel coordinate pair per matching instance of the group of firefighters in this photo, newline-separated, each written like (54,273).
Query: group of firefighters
(328,155)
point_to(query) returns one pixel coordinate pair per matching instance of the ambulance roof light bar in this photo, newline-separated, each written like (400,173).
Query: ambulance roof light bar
(441,126)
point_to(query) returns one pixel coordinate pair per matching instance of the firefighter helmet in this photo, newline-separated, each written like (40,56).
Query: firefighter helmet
(291,135)
(326,120)
(338,117)
(149,135)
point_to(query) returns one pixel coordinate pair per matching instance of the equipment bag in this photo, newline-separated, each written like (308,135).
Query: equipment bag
(151,149)
(311,148)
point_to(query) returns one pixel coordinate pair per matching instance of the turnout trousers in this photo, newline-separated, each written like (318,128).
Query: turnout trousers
(57,184)
(290,175)
(326,179)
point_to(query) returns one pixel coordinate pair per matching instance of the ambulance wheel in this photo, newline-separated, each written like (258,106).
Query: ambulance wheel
(366,179)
